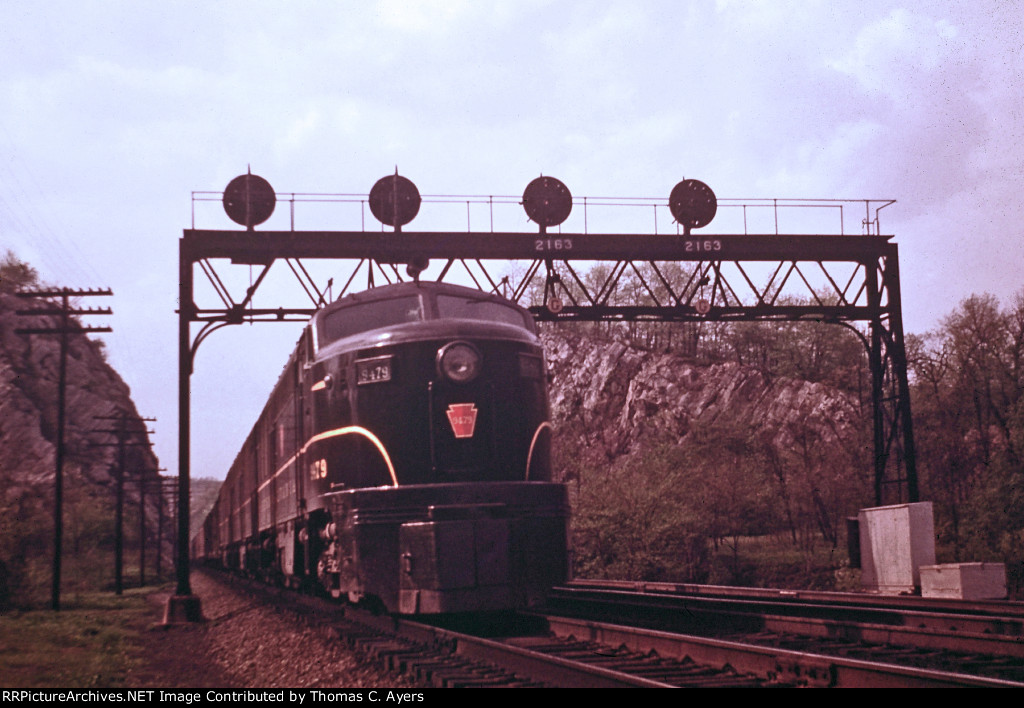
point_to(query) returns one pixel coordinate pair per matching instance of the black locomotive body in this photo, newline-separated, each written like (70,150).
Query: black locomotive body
(404,456)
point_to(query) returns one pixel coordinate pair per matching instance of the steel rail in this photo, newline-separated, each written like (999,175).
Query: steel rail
(996,617)
(958,633)
(1007,608)
(810,669)
(536,666)
(828,630)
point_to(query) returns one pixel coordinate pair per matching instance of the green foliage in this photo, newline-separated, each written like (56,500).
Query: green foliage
(680,511)
(26,537)
(26,542)
(636,522)
(685,513)
(90,643)
(772,560)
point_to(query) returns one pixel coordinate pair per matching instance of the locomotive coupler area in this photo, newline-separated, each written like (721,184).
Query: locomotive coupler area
(328,568)
(440,548)
(460,557)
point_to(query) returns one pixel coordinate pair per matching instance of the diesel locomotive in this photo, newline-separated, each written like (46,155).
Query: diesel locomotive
(402,459)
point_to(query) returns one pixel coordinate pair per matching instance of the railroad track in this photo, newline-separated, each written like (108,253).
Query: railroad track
(546,650)
(1013,612)
(984,641)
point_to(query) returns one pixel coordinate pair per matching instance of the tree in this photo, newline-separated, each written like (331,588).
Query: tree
(641,520)
(16,275)
(968,388)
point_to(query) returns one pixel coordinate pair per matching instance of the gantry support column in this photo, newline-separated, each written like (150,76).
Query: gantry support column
(183,606)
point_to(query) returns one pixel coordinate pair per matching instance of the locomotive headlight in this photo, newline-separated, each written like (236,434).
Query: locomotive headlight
(458,362)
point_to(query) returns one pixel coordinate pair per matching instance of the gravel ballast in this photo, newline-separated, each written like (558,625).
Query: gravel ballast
(246,644)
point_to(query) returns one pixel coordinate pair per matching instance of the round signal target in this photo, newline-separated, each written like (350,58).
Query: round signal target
(394,200)
(547,201)
(249,200)
(693,204)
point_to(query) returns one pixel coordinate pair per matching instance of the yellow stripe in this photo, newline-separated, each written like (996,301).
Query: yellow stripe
(347,430)
(279,471)
(536,434)
(357,430)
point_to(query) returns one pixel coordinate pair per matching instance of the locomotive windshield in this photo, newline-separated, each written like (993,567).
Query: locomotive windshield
(461,307)
(365,316)
(356,317)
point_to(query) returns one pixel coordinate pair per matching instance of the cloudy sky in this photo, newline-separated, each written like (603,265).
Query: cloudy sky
(112,113)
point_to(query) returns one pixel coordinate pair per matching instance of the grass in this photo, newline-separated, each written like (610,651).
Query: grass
(90,643)
(774,561)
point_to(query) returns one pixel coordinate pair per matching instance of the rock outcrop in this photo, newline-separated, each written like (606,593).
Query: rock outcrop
(610,399)
(29,375)
(29,366)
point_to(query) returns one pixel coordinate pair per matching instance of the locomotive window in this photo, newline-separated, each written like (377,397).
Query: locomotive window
(371,315)
(455,307)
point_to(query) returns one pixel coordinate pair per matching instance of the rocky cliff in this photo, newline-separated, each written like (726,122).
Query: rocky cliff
(612,399)
(29,366)
(29,373)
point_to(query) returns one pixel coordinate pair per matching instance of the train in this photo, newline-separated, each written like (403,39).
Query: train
(403,459)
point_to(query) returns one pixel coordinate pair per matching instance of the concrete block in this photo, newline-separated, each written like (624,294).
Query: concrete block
(964,581)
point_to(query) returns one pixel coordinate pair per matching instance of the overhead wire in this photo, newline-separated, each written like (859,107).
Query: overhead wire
(29,209)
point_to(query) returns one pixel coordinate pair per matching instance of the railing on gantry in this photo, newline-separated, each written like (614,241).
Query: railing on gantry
(466,213)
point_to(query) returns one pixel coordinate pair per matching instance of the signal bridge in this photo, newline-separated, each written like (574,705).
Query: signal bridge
(824,260)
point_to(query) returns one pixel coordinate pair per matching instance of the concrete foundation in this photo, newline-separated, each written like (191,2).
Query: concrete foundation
(183,609)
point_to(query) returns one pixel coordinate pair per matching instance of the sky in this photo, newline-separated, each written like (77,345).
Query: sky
(113,113)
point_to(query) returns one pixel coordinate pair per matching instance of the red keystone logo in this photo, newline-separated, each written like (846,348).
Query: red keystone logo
(462,416)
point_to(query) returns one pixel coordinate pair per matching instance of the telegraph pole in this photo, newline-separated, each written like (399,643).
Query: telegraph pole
(121,432)
(65,327)
(168,492)
(144,482)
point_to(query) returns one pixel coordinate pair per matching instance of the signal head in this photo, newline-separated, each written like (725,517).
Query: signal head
(394,200)
(693,204)
(547,201)
(249,200)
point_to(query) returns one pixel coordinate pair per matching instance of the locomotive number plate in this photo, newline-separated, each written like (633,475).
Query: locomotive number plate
(373,370)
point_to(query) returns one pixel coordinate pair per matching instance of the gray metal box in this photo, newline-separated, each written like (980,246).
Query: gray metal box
(895,541)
